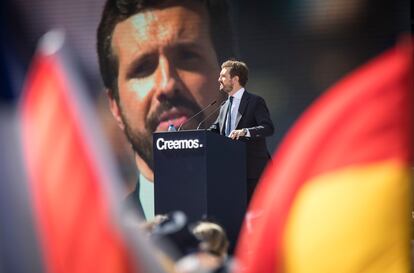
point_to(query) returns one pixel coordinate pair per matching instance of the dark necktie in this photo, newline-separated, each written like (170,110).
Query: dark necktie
(228,114)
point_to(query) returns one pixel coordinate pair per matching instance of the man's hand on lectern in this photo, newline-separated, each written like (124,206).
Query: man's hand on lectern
(236,134)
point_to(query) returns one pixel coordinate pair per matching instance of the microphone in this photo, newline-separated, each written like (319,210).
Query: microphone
(215,110)
(198,113)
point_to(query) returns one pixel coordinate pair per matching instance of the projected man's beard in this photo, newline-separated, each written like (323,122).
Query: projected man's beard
(141,140)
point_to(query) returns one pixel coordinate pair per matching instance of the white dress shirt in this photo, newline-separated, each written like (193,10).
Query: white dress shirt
(146,195)
(235,108)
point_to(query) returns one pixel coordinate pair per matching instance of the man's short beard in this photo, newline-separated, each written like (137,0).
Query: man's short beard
(228,88)
(141,141)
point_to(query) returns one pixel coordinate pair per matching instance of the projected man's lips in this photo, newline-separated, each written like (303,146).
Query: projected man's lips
(174,116)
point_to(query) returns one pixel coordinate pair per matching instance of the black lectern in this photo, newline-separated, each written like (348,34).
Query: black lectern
(202,174)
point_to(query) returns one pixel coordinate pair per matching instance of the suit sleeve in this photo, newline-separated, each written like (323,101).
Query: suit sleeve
(215,127)
(264,126)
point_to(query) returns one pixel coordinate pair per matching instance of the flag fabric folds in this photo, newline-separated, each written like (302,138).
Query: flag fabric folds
(70,182)
(337,197)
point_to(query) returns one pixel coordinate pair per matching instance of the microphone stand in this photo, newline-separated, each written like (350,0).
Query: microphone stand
(215,110)
(199,112)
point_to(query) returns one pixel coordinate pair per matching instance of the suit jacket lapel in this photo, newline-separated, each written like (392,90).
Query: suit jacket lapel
(222,115)
(242,107)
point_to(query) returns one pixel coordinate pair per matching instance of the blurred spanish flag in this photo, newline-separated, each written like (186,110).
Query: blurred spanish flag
(338,195)
(74,189)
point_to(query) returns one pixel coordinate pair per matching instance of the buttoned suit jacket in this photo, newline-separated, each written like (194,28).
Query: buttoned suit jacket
(253,115)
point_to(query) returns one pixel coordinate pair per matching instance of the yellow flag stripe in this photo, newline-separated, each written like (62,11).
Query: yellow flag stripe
(352,220)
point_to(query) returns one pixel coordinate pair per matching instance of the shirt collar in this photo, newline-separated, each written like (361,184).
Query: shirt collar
(238,95)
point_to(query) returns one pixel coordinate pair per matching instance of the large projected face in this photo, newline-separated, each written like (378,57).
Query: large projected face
(167,72)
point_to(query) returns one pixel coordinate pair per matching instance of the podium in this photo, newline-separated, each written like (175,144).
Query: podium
(202,174)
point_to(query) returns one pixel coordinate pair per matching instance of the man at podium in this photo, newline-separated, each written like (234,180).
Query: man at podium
(244,116)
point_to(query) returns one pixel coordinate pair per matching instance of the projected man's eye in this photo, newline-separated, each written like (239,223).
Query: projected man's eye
(188,59)
(188,55)
(144,68)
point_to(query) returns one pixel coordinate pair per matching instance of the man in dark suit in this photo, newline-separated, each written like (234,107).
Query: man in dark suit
(244,116)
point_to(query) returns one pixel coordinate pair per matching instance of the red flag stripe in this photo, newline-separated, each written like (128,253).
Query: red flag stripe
(73,217)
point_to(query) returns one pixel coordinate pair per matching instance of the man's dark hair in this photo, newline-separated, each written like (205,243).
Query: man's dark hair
(116,11)
(237,68)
